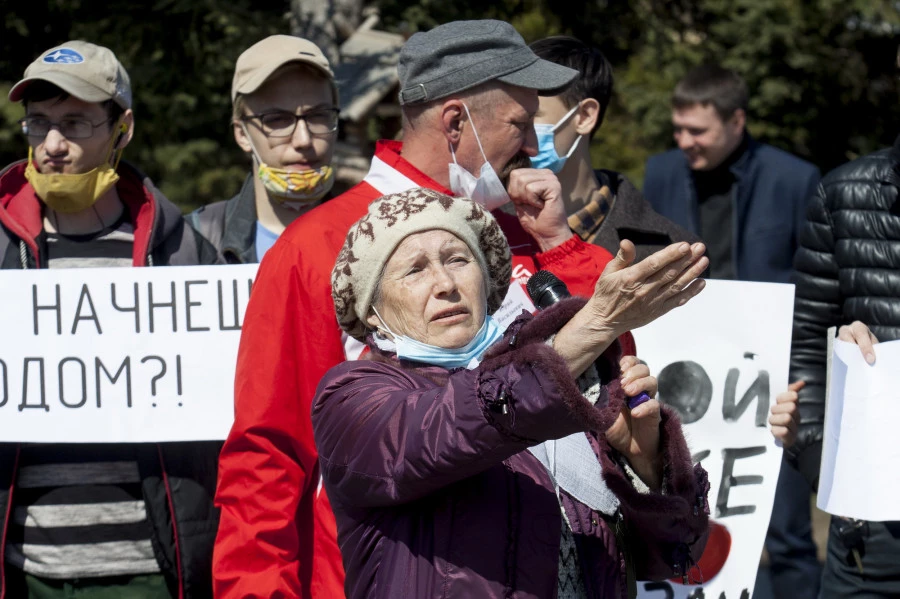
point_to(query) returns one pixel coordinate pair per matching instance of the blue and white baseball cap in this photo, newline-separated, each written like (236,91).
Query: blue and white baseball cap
(86,71)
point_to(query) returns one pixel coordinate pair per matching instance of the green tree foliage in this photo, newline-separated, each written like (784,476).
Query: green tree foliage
(180,55)
(822,73)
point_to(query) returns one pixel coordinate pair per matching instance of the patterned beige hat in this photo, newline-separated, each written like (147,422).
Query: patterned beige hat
(391,219)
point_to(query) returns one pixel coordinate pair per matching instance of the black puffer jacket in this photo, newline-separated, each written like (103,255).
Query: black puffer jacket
(847,268)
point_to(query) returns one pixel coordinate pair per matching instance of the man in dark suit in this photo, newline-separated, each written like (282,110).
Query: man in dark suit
(747,200)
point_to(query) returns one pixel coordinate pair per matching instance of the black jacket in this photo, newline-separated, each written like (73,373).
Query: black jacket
(631,217)
(847,268)
(230,225)
(177,479)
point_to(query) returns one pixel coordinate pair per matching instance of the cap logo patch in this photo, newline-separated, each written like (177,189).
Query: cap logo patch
(64,56)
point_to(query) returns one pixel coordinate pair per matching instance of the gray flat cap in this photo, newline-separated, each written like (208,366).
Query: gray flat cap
(460,55)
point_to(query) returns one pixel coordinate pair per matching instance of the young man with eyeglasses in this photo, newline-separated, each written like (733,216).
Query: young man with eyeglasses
(96,519)
(285,116)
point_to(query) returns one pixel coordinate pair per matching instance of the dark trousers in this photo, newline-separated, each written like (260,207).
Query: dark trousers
(880,554)
(794,568)
(145,586)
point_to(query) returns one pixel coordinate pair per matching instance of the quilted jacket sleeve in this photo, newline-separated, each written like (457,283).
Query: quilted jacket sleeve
(817,306)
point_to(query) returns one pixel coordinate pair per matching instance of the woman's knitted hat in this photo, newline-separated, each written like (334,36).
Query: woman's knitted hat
(391,219)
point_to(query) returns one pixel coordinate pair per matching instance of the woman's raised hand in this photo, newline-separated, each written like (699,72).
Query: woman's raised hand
(628,296)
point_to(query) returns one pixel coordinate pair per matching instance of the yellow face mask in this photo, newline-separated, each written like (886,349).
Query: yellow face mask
(287,187)
(296,186)
(69,194)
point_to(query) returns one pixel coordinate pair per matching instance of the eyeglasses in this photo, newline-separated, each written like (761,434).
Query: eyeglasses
(321,121)
(36,126)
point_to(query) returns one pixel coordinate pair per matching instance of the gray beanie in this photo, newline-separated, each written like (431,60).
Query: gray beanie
(391,219)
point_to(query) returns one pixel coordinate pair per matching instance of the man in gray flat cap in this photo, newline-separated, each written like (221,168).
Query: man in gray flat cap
(469,92)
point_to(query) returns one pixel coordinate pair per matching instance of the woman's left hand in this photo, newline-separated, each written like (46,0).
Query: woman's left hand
(635,433)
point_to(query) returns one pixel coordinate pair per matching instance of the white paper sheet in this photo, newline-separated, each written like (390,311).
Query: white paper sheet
(860,472)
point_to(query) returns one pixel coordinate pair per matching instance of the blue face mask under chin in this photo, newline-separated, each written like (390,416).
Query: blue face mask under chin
(546,136)
(467,356)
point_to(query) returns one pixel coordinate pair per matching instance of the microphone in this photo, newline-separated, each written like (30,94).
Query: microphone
(545,289)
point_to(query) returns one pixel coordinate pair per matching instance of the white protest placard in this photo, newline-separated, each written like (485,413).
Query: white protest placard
(120,354)
(720,361)
(859,475)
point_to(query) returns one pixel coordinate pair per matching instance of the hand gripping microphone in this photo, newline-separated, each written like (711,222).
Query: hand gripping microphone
(545,289)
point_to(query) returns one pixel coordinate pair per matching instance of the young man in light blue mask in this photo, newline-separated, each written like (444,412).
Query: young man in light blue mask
(603,206)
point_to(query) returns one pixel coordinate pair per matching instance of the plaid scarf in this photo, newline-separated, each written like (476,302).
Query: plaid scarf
(586,221)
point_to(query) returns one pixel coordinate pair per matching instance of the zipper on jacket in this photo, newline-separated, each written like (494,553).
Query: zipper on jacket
(23,255)
(171,502)
(6,518)
(622,543)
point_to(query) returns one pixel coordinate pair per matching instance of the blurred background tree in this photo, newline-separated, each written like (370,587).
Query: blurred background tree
(822,73)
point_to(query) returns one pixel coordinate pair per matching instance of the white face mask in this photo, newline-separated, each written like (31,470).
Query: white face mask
(487,189)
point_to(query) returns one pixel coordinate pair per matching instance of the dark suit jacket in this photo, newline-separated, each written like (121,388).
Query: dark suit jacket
(773,189)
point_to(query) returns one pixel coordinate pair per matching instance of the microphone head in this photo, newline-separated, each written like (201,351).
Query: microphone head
(545,289)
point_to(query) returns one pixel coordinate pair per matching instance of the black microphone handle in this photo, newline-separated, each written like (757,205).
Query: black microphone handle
(545,289)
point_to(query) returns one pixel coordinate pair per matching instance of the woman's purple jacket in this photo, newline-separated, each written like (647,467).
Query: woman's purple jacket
(436,495)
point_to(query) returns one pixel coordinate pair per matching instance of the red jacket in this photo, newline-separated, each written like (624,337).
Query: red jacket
(277,537)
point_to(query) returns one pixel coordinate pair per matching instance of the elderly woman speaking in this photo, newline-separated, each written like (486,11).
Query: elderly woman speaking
(464,461)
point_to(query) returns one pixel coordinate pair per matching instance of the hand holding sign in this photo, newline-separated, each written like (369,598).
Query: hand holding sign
(858,333)
(785,415)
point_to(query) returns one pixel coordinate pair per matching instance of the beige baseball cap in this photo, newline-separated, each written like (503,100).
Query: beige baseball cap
(86,71)
(259,61)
